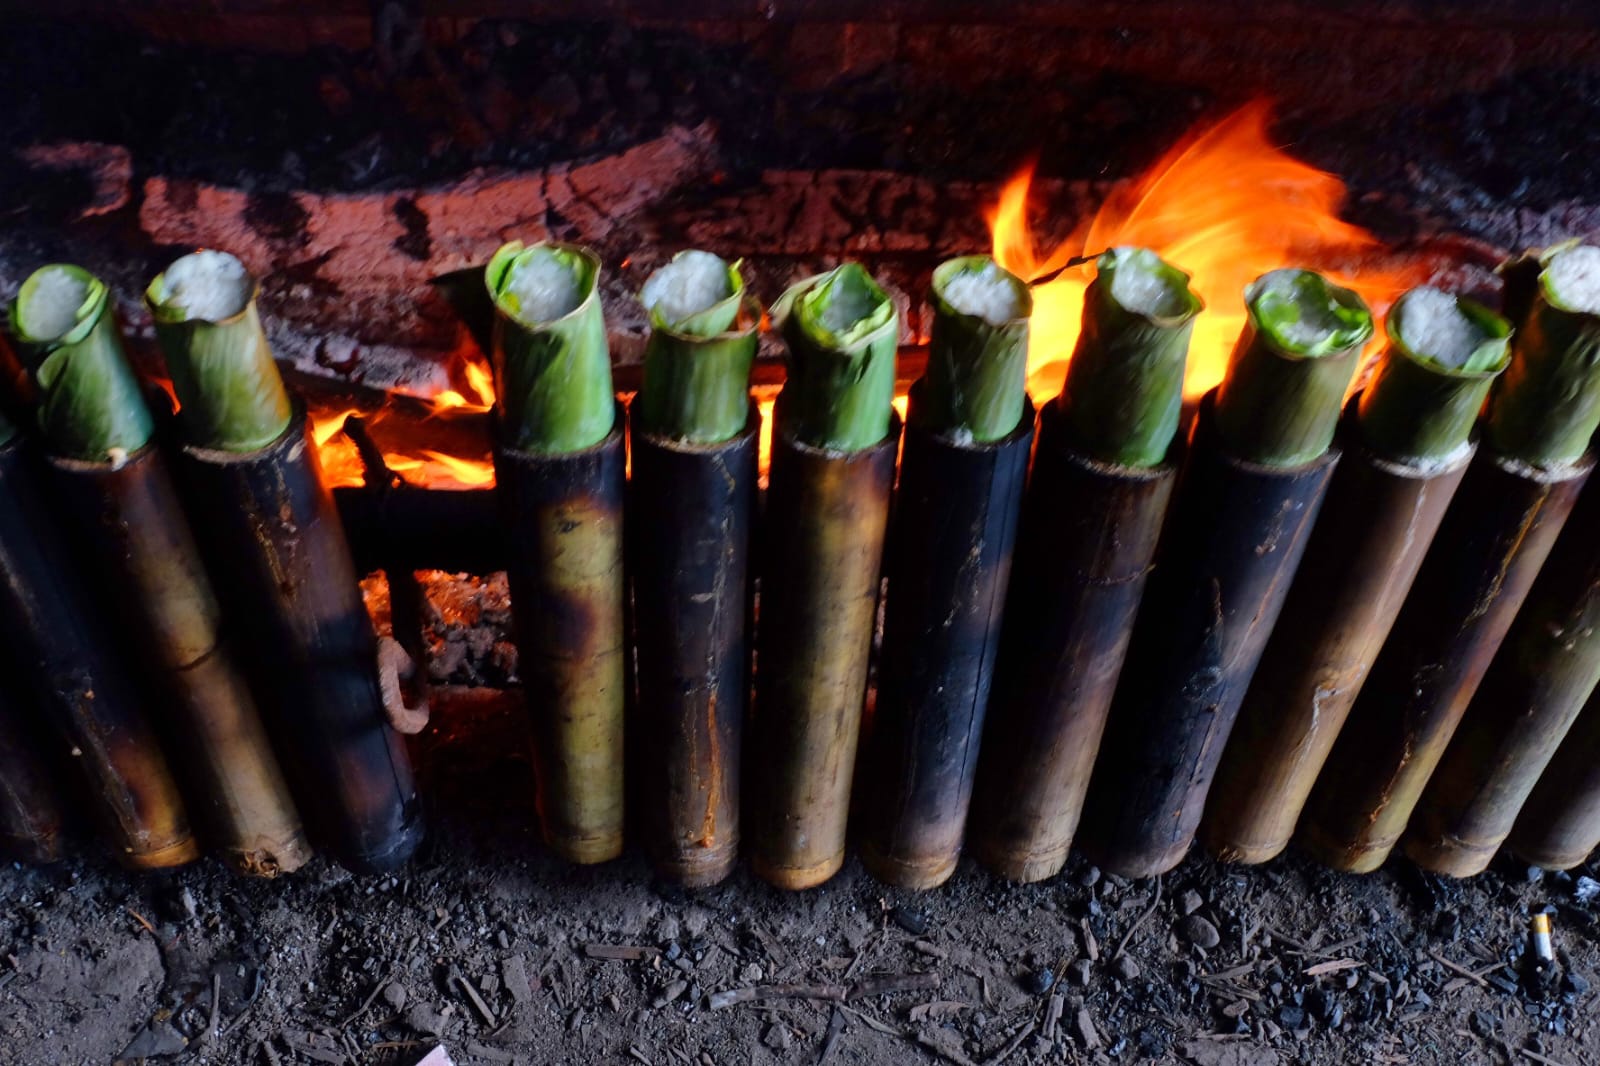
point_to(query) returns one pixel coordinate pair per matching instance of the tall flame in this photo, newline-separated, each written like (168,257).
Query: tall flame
(1227,206)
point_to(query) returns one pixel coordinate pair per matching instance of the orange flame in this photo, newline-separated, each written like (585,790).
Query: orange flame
(1227,206)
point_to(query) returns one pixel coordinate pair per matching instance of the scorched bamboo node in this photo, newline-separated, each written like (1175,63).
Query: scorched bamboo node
(1124,390)
(1548,404)
(275,547)
(1406,444)
(132,529)
(85,689)
(827,513)
(552,366)
(1279,404)
(1494,539)
(1239,527)
(1536,685)
(231,394)
(976,382)
(692,510)
(564,517)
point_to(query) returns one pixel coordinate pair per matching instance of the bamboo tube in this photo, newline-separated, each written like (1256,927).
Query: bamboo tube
(833,460)
(30,804)
(1559,826)
(274,545)
(691,514)
(1406,448)
(955,523)
(963,466)
(1545,670)
(1092,513)
(83,687)
(1250,491)
(125,509)
(1495,537)
(560,466)
(694,505)
(238,794)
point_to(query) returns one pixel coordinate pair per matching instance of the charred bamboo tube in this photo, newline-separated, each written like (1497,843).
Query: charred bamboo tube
(692,509)
(955,524)
(1093,510)
(1537,683)
(151,567)
(126,513)
(1406,449)
(1559,826)
(83,687)
(1491,544)
(274,544)
(566,571)
(284,570)
(833,459)
(1493,541)
(560,468)
(1251,488)
(30,806)
(963,466)
(694,505)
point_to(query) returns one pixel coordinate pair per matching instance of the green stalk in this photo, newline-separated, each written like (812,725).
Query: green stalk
(90,404)
(697,367)
(1418,409)
(552,376)
(1547,405)
(230,392)
(843,332)
(1124,390)
(1279,404)
(977,377)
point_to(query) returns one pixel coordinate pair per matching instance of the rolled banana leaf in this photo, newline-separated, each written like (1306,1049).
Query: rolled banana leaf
(551,360)
(976,383)
(703,339)
(89,403)
(1279,404)
(231,393)
(1124,388)
(1547,405)
(1444,354)
(842,332)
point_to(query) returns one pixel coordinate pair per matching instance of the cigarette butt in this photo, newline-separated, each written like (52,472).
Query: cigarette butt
(1539,932)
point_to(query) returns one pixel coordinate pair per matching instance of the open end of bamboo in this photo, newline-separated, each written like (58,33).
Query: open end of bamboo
(1439,329)
(544,284)
(204,286)
(1571,280)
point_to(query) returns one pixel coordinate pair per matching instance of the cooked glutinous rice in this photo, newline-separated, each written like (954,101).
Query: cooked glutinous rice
(207,285)
(53,302)
(690,283)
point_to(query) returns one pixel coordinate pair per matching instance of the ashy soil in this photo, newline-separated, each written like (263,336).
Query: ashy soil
(488,945)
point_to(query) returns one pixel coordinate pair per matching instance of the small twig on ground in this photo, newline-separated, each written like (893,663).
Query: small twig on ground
(1536,1057)
(1457,969)
(216,1005)
(1332,966)
(619,952)
(872,1023)
(893,983)
(732,997)
(949,1054)
(1298,945)
(1137,922)
(142,920)
(359,1011)
(1011,1045)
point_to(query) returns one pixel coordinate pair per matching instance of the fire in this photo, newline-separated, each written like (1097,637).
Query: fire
(1227,206)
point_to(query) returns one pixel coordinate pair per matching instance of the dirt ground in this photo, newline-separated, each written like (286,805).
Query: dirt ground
(495,949)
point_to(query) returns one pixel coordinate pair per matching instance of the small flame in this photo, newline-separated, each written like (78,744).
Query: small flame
(1227,206)
(469,472)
